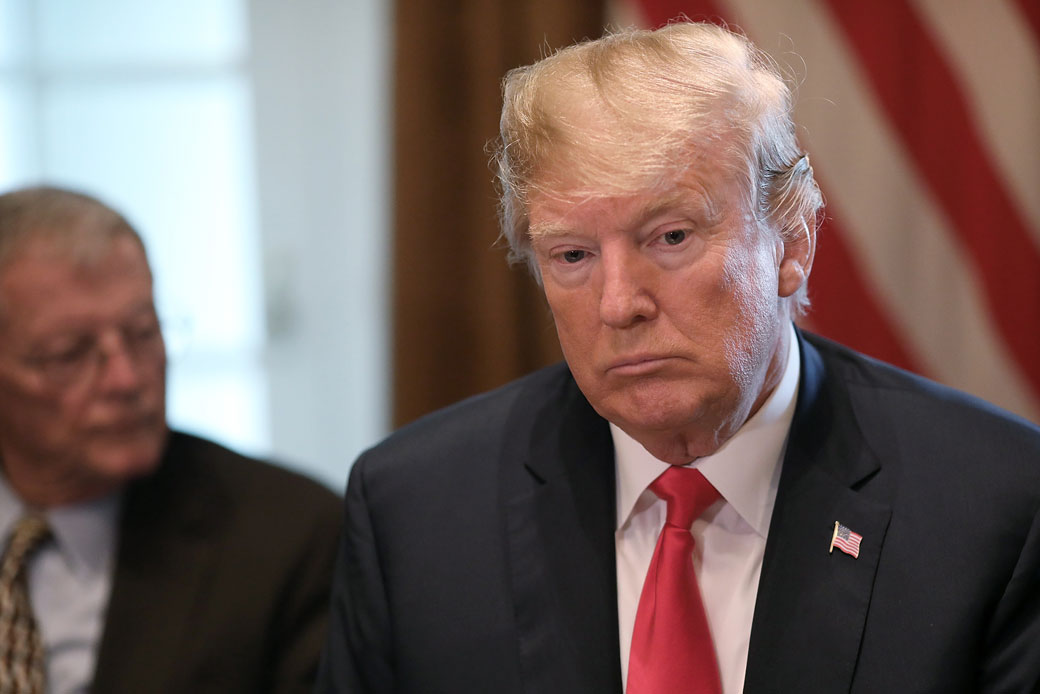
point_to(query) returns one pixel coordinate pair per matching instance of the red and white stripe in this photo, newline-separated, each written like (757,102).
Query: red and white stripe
(922,120)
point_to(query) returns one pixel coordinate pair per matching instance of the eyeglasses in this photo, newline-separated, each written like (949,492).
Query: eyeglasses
(81,361)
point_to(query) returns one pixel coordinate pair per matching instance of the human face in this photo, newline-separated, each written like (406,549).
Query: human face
(669,305)
(82,372)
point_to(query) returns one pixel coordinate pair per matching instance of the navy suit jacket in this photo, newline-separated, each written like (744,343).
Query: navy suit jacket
(478,554)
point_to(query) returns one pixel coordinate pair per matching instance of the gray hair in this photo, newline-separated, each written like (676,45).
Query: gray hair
(74,223)
(630,111)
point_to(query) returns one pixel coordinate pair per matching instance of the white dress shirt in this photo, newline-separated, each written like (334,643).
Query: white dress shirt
(70,579)
(731,535)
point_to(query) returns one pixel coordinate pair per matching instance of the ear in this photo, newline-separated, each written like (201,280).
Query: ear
(796,261)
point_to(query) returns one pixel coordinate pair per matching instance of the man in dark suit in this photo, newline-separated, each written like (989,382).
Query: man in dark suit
(156,561)
(858,529)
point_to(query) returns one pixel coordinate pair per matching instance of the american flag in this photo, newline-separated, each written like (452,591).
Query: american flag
(846,540)
(922,121)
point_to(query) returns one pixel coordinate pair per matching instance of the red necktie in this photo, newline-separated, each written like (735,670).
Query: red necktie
(672,650)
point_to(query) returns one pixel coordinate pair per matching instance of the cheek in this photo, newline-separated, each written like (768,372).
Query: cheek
(575,313)
(43,427)
(154,382)
(754,311)
(72,411)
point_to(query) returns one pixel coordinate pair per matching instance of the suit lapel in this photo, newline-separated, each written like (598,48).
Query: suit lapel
(812,604)
(165,552)
(558,496)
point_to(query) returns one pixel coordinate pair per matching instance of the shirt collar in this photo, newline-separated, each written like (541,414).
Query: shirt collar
(11,509)
(745,470)
(85,532)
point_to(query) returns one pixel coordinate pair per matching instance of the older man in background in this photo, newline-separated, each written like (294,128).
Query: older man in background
(703,498)
(135,559)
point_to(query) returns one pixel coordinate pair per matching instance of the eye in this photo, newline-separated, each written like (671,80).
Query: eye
(69,357)
(142,331)
(573,256)
(63,364)
(674,237)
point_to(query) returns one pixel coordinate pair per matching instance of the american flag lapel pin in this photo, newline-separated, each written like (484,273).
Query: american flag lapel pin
(844,539)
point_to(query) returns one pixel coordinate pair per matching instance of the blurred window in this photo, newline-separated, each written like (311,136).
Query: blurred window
(148,106)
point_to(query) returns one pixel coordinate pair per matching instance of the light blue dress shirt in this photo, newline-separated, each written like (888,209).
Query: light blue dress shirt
(70,579)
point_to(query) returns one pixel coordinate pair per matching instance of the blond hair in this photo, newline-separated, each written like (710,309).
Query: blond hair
(634,109)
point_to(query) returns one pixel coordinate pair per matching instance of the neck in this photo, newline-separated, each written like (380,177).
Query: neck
(43,488)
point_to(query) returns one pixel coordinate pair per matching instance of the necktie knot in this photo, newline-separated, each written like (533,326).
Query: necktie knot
(29,533)
(687,492)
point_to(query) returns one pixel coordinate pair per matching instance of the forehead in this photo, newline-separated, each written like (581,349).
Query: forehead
(43,288)
(704,192)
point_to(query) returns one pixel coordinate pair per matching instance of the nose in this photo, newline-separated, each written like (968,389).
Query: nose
(119,370)
(627,294)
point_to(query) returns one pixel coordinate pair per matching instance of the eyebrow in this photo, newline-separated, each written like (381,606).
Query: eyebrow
(75,327)
(677,199)
(547,231)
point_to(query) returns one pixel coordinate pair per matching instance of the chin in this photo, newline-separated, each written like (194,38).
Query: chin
(653,418)
(667,414)
(658,405)
(121,462)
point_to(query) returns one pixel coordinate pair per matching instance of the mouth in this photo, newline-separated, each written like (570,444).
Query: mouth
(128,426)
(638,365)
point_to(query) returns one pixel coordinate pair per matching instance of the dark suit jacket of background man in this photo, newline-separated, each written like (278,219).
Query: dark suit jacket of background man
(479,550)
(222,576)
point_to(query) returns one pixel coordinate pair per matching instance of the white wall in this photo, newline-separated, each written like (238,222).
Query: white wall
(322,83)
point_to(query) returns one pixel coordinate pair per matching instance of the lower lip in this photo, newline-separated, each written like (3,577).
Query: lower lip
(639,368)
(127,428)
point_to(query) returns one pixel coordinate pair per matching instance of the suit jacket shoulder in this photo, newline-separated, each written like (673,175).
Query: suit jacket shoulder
(223,569)
(478,551)
(915,398)
(951,448)
(480,423)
